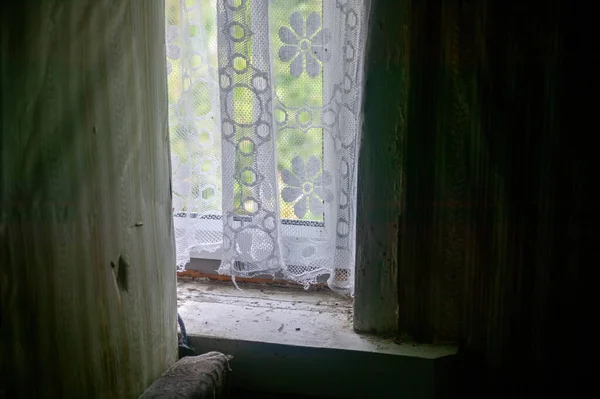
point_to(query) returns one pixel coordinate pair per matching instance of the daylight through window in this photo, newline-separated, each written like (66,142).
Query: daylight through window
(264,118)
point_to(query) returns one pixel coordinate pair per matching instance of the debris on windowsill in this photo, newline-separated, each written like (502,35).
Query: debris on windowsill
(193,275)
(285,316)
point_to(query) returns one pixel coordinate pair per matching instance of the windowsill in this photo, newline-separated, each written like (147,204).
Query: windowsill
(289,316)
(282,328)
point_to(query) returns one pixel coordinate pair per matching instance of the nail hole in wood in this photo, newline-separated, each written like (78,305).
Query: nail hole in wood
(123,274)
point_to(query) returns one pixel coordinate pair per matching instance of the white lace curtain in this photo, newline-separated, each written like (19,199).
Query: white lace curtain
(264,119)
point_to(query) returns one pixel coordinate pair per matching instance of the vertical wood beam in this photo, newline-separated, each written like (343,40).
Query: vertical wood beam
(379,168)
(87,278)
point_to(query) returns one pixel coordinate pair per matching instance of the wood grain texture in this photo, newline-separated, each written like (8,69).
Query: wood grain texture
(379,168)
(500,202)
(488,161)
(88,299)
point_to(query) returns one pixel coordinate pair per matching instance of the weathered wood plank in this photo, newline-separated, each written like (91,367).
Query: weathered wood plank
(500,197)
(88,299)
(380,168)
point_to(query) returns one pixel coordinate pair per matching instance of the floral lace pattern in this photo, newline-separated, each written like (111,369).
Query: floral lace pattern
(304,46)
(307,185)
(265,101)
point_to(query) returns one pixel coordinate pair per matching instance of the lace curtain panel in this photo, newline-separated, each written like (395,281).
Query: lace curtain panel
(264,120)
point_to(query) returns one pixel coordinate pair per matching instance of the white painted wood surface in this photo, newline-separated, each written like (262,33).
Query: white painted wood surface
(84,182)
(291,341)
(288,316)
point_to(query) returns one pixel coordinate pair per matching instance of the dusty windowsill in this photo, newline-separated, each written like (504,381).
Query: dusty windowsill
(283,315)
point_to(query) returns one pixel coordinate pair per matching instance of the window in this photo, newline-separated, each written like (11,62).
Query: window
(264,105)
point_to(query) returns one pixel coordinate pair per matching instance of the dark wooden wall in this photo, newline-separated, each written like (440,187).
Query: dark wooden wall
(87,279)
(492,143)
